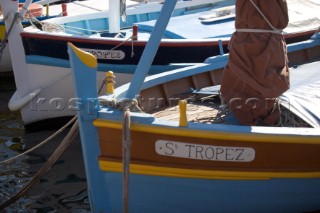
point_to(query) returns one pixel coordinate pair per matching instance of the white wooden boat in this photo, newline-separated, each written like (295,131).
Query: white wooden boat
(45,9)
(49,93)
(48,68)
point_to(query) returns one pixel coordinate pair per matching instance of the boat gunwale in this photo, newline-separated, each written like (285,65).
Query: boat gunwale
(252,133)
(215,62)
(265,134)
(124,41)
(142,42)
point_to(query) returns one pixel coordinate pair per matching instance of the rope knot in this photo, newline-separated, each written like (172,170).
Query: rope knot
(131,104)
(110,103)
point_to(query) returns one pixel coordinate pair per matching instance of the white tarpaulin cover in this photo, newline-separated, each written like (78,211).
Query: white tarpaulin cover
(303,97)
(303,15)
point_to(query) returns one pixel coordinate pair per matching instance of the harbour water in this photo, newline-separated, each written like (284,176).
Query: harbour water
(62,189)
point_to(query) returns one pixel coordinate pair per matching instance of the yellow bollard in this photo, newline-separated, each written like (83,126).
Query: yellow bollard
(47,9)
(110,82)
(183,113)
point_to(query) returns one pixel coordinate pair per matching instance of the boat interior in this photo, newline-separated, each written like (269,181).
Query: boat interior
(208,21)
(201,91)
(97,25)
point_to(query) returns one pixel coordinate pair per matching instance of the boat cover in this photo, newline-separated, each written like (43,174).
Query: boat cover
(257,72)
(196,29)
(303,97)
(304,15)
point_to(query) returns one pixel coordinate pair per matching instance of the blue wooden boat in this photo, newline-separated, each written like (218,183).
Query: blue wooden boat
(142,156)
(45,62)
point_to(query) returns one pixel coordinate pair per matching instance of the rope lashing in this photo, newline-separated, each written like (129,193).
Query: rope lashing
(274,30)
(260,31)
(132,104)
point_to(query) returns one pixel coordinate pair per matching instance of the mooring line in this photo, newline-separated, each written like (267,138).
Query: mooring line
(41,143)
(45,168)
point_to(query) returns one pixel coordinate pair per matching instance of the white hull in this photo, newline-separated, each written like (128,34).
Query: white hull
(74,9)
(56,97)
(5,63)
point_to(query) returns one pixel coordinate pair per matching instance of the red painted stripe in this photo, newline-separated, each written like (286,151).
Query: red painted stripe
(173,43)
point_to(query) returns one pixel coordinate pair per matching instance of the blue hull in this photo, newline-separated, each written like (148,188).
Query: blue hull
(164,194)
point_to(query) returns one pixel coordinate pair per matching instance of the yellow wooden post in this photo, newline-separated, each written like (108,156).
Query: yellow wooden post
(183,113)
(110,82)
(47,9)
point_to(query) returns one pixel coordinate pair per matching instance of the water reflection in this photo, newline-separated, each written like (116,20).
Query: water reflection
(62,189)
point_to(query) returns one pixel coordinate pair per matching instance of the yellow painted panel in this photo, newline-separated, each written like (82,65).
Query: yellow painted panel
(2,31)
(202,174)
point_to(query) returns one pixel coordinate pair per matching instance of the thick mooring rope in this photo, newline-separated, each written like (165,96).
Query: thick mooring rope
(126,145)
(40,144)
(126,105)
